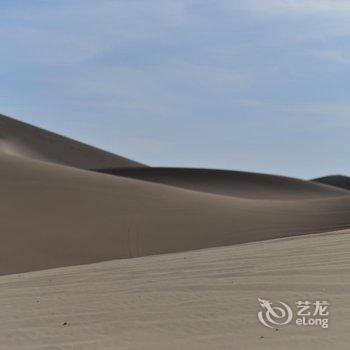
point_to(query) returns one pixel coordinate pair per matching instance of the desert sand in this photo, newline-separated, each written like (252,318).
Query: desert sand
(201,300)
(53,216)
(101,252)
(231,183)
(339,181)
(18,138)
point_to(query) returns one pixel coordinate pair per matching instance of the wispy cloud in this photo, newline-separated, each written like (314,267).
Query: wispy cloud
(297,7)
(220,81)
(73,31)
(332,56)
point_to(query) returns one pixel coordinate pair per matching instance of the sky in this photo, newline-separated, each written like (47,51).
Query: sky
(254,85)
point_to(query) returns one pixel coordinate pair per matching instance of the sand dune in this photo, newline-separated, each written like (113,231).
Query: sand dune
(54,215)
(339,181)
(232,183)
(199,300)
(57,212)
(22,139)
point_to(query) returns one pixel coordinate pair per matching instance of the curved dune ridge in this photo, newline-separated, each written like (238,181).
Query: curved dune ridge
(22,139)
(231,183)
(57,212)
(339,181)
(55,215)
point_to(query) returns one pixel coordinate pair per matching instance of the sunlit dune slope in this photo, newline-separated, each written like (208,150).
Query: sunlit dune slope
(200,300)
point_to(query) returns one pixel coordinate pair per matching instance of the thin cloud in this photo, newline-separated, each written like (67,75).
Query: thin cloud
(297,7)
(73,32)
(220,76)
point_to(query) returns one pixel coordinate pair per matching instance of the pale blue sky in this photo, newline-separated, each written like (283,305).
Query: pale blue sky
(248,85)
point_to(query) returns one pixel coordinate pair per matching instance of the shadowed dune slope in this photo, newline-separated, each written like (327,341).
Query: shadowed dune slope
(232,183)
(26,140)
(53,215)
(339,181)
(199,300)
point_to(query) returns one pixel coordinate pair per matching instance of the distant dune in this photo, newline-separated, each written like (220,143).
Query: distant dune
(53,215)
(232,183)
(25,140)
(65,204)
(339,181)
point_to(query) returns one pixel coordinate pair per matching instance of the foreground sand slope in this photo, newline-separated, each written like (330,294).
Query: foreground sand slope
(54,216)
(32,142)
(196,300)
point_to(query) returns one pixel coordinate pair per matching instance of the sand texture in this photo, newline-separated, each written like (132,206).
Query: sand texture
(196,300)
(101,252)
